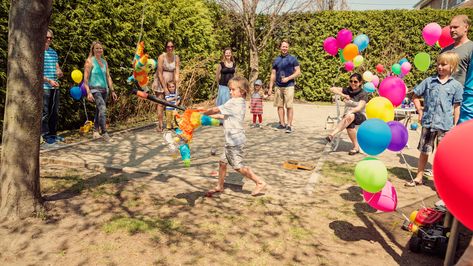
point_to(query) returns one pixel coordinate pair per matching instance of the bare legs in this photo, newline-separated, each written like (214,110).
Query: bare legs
(421,167)
(282,118)
(344,123)
(159,128)
(246,172)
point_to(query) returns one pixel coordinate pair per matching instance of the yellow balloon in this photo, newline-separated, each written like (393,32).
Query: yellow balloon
(380,107)
(368,76)
(76,76)
(413,215)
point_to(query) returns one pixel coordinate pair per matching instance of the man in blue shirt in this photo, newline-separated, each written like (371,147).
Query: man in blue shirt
(52,72)
(284,72)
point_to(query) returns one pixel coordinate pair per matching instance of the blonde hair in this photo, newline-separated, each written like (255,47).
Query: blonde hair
(451,58)
(171,82)
(243,85)
(94,43)
(223,55)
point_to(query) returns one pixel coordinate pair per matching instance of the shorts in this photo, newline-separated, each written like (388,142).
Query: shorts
(233,155)
(359,118)
(429,139)
(284,97)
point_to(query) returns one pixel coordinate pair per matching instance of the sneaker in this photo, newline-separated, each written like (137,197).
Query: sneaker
(41,140)
(280,126)
(96,135)
(106,137)
(257,126)
(288,129)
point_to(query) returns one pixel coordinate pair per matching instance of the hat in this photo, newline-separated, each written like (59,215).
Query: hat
(259,82)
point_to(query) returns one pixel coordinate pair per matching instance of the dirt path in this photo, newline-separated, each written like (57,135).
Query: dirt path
(152,211)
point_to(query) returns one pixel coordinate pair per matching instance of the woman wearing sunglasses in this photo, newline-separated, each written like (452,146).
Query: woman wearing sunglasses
(168,70)
(355,99)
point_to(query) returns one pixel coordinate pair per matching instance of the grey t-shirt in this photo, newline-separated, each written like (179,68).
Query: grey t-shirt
(464,51)
(234,114)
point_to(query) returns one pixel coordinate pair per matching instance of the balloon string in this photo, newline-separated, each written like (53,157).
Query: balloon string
(412,179)
(85,109)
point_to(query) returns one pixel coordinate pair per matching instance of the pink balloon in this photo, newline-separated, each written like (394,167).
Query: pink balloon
(385,200)
(431,33)
(330,46)
(375,81)
(445,38)
(394,89)
(349,66)
(406,67)
(344,37)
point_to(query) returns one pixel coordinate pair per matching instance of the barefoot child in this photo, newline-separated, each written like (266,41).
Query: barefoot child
(442,97)
(233,114)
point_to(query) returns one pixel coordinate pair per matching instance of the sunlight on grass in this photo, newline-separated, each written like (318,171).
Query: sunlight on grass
(299,233)
(62,181)
(141,225)
(339,173)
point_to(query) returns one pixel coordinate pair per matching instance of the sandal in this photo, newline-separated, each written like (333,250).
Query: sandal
(210,193)
(413,183)
(353,152)
(329,138)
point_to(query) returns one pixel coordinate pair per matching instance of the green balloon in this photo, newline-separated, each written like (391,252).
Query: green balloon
(358,60)
(371,174)
(340,55)
(396,68)
(422,61)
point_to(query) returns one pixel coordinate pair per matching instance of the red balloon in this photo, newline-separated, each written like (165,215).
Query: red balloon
(445,38)
(379,68)
(452,172)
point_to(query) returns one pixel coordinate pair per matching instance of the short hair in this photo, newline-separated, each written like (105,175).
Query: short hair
(450,58)
(464,18)
(50,31)
(171,82)
(284,40)
(243,85)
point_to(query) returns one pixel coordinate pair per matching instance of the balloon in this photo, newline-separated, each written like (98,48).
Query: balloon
(82,89)
(399,136)
(413,215)
(368,76)
(361,41)
(385,200)
(76,76)
(396,69)
(340,55)
(381,108)
(350,51)
(371,174)
(375,81)
(394,89)
(344,37)
(330,46)
(431,33)
(349,66)
(379,68)
(358,60)
(445,38)
(405,68)
(374,136)
(452,172)
(76,93)
(369,87)
(414,126)
(422,61)
(402,61)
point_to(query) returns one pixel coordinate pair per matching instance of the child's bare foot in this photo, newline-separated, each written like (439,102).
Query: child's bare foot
(258,189)
(211,192)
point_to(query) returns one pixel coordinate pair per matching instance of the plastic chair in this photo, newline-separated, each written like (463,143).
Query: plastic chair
(332,121)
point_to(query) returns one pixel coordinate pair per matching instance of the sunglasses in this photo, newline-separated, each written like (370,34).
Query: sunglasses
(354,81)
(49,38)
(170,46)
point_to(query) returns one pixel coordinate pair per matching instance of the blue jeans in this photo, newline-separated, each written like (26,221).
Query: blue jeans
(50,112)
(100,110)
(223,95)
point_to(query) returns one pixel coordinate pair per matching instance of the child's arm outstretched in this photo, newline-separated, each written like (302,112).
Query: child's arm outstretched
(213,112)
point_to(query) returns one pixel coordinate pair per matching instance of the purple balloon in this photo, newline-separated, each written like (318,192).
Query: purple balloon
(82,89)
(344,37)
(399,136)
(394,89)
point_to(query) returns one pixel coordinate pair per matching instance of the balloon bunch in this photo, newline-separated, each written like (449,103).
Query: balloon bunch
(188,122)
(378,133)
(349,53)
(77,91)
(142,65)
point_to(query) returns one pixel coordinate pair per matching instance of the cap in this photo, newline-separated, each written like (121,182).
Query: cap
(259,82)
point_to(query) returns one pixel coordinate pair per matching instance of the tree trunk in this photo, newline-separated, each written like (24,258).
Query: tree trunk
(20,194)
(254,65)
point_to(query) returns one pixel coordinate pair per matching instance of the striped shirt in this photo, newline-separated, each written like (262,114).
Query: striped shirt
(50,61)
(168,99)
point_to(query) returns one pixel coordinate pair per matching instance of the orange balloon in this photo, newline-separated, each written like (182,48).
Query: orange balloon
(350,51)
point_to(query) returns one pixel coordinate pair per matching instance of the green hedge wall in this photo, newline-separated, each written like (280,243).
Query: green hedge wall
(200,29)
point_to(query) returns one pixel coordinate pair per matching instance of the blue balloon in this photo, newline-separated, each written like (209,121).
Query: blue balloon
(374,136)
(414,126)
(361,41)
(403,61)
(76,93)
(369,87)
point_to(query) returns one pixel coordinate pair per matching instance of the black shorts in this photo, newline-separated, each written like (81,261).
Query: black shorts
(359,118)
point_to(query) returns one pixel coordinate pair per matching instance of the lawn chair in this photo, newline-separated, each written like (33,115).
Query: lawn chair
(332,121)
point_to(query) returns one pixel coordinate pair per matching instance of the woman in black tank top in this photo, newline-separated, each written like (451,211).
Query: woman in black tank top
(225,71)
